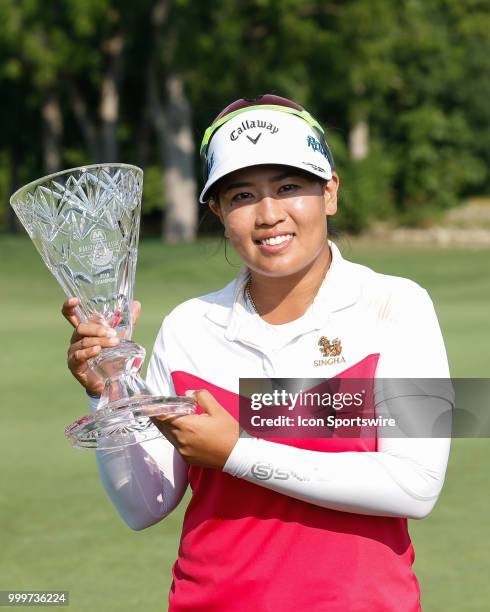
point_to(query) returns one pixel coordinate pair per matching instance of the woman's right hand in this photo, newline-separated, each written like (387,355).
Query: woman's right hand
(87,341)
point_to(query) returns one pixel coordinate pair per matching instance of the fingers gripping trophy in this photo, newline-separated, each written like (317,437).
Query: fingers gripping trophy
(85,224)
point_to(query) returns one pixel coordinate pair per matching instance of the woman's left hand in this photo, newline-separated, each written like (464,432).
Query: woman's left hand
(201,439)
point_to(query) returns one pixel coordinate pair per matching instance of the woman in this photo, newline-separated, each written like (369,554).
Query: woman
(298,523)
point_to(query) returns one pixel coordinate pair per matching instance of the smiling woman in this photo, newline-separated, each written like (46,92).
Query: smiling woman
(275,218)
(289,523)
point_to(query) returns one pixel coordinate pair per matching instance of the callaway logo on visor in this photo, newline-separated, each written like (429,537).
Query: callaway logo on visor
(266,130)
(250,125)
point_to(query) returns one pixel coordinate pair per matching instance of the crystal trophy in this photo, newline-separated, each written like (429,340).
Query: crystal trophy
(85,224)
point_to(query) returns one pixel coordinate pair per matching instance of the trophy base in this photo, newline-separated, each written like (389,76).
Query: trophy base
(125,422)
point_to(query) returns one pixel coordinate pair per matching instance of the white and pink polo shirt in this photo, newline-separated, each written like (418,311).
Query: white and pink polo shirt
(249,544)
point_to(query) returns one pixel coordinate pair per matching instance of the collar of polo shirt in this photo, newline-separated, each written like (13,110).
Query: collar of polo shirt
(340,289)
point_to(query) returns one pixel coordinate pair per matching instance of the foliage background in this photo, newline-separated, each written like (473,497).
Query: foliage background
(402,88)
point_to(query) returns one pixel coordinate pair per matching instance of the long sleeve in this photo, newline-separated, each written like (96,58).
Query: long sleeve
(404,477)
(146,481)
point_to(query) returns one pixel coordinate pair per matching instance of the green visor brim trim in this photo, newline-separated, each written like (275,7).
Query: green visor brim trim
(305,115)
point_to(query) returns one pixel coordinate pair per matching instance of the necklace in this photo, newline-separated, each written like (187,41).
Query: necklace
(250,298)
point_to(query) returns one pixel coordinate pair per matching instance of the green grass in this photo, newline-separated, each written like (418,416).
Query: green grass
(60,531)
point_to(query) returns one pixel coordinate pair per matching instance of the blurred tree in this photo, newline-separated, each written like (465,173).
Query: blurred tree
(359,73)
(335,58)
(429,132)
(469,24)
(171,117)
(401,88)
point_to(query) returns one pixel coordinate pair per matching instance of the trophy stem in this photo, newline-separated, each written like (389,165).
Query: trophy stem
(126,357)
(126,404)
(120,367)
(124,386)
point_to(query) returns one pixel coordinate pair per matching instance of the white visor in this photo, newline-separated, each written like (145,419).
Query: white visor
(261,137)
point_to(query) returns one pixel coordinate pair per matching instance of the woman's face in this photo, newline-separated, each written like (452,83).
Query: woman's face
(276,217)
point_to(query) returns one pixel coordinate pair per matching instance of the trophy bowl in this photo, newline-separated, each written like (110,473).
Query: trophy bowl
(85,224)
